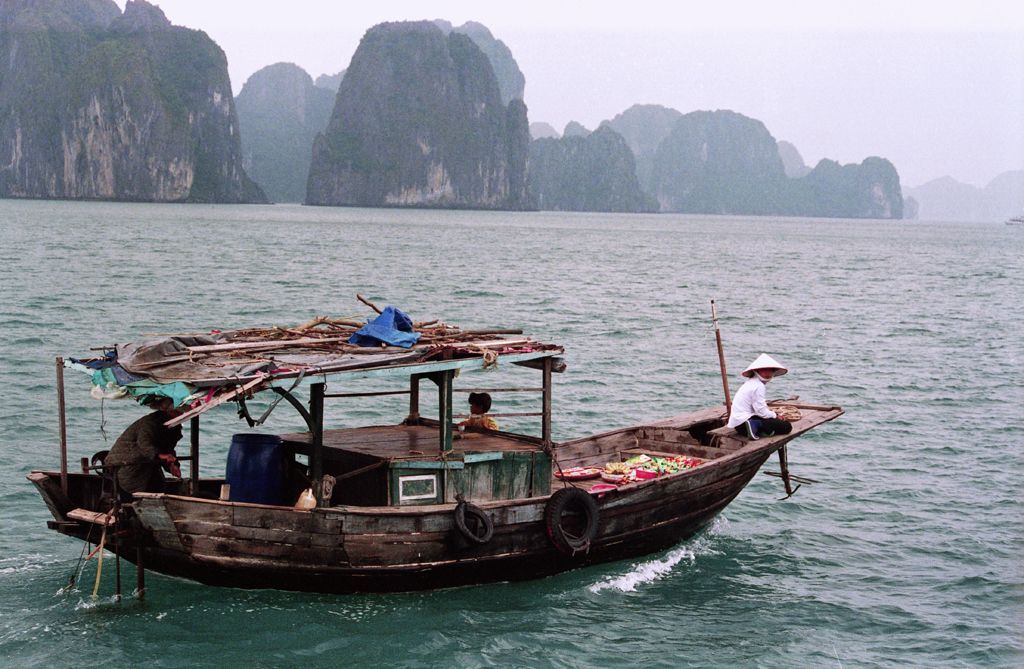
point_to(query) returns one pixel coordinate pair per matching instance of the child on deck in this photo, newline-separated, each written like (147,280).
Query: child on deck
(479,405)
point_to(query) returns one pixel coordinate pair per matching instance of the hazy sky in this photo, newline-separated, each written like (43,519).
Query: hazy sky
(936,87)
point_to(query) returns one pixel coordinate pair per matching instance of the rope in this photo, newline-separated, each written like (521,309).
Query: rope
(80,564)
(561,475)
(243,410)
(444,471)
(99,562)
(103,419)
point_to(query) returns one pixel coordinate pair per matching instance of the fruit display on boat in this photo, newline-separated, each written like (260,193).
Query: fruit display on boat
(578,473)
(645,467)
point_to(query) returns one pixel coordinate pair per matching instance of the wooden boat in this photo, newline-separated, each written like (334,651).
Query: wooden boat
(413,507)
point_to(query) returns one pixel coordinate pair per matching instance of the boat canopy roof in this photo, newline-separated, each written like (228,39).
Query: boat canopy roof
(210,368)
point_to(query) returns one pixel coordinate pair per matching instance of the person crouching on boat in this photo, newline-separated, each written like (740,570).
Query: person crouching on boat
(479,405)
(146,448)
(750,415)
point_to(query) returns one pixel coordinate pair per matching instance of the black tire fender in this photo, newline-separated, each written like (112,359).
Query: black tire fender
(576,537)
(473,523)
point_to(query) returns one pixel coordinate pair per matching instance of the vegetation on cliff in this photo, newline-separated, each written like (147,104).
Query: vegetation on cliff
(718,162)
(644,127)
(511,82)
(868,190)
(593,172)
(419,121)
(96,104)
(721,162)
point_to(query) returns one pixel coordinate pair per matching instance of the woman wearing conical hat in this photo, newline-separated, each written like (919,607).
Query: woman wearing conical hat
(750,415)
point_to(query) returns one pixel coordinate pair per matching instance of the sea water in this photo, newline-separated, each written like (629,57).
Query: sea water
(906,553)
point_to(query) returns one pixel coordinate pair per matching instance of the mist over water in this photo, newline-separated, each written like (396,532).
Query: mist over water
(906,554)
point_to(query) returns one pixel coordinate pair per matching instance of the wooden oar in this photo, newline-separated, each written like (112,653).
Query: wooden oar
(721,361)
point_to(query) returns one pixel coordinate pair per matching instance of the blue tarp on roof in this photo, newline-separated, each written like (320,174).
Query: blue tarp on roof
(392,327)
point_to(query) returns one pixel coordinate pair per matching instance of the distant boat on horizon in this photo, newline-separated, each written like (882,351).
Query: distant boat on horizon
(1015,220)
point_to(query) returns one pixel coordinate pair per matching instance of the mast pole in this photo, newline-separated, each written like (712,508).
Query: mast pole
(721,361)
(546,404)
(63,426)
(444,402)
(316,449)
(193,454)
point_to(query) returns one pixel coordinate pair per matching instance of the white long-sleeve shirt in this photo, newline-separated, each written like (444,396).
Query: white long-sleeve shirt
(749,401)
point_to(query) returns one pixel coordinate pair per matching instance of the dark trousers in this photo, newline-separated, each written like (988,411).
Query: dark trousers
(764,427)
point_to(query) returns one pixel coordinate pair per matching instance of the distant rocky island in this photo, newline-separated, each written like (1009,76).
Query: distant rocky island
(280,113)
(100,104)
(946,199)
(721,162)
(586,172)
(419,121)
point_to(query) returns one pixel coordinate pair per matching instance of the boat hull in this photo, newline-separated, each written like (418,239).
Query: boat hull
(341,550)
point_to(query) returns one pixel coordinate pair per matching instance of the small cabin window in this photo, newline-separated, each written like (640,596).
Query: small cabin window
(419,487)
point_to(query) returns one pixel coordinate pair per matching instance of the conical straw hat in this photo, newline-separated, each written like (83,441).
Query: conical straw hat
(764,361)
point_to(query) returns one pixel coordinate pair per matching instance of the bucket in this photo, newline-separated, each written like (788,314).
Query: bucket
(256,469)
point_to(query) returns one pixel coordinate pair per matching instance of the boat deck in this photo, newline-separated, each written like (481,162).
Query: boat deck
(397,442)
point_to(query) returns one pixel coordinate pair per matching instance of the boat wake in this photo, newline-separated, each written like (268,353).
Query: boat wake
(654,570)
(26,563)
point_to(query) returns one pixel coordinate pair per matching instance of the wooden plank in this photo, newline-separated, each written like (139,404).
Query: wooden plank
(591,446)
(87,516)
(214,511)
(168,540)
(687,420)
(261,345)
(271,517)
(504,415)
(427,464)
(705,452)
(326,523)
(266,553)
(53,496)
(400,440)
(675,435)
(222,531)
(404,370)
(376,393)
(481,457)
(498,390)
(239,548)
(216,401)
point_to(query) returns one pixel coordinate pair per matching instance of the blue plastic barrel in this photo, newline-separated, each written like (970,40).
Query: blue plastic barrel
(256,469)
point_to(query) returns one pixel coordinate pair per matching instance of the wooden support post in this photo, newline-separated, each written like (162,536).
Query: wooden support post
(784,467)
(117,568)
(444,404)
(140,574)
(545,430)
(117,536)
(63,426)
(316,451)
(193,454)
(414,399)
